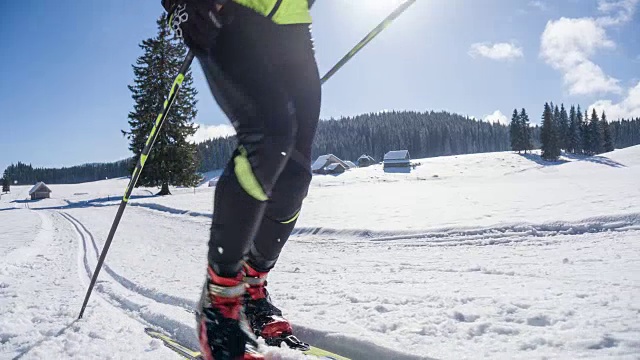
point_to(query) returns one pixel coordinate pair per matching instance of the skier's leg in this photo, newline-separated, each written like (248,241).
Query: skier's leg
(280,216)
(251,93)
(302,80)
(243,81)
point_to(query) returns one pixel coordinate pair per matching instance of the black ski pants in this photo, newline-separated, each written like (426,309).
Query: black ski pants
(265,78)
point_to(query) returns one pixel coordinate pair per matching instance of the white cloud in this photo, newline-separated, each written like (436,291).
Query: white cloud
(498,117)
(538,4)
(629,107)
(622,10)
(498,51)
(568,44)
(206,132)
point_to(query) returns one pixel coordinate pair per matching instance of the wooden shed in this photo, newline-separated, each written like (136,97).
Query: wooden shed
(350,164)
(335,168)
(365,160)
(397,158)
(323,161)
(40,191)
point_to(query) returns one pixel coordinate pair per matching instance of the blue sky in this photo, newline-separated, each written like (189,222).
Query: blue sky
(65,65)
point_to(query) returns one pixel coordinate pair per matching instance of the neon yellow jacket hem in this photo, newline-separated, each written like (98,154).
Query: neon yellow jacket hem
(287,12)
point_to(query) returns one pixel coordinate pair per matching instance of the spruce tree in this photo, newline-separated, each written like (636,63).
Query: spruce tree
(586,134)
(596,136)
(556,124)
(548,135)
(172,160)
(574,134)
(525,131)
(608,143)
(579,134)
(515,132)
(563,129)
(5,185)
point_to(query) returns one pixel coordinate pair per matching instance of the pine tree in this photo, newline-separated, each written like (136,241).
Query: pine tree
(515,132)
(586,134)
(556,124)
(5,185)
(548,135)
(596,136)
(563,129)
(525,131)
(574,133)
(172,160)
(608,142)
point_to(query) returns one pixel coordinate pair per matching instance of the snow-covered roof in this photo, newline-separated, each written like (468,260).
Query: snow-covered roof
(397,155)
(351,164)
(39,187)
(325,160)
(365,156)
(333,166)
(320,162)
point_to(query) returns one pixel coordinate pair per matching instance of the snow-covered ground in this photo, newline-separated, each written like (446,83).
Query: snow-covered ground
(496,255)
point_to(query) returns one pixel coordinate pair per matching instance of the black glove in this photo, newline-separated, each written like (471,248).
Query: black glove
(197,22)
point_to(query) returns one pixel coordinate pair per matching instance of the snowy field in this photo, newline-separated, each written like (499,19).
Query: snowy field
(493,256)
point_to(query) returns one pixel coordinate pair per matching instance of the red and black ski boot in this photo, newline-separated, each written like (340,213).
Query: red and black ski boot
(223,330)
(266,319)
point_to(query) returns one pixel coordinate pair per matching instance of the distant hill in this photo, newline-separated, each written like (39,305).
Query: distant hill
(424,134)
(27,174)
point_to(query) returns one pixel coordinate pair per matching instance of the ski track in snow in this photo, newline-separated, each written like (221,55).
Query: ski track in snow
(504,234)
(452,236)
(35,281)
(130,285)
(357,349)
(180,331)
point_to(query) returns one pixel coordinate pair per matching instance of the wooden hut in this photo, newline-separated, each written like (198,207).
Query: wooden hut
(397,158)
(40,191)
(335,168)
(365,160)
(320,165)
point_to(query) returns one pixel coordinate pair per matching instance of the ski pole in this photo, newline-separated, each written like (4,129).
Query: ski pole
(138,170)
(377,30)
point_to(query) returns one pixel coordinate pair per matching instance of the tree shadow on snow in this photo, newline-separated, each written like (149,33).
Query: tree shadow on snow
(540,161)
(596,159)
(25,201)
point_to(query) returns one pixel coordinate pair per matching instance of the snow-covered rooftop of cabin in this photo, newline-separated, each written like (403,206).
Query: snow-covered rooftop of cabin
(40,186)
(333,166)
(396,155)
(322,161)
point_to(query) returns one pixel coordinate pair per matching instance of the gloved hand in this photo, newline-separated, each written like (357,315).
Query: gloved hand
(197,22)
